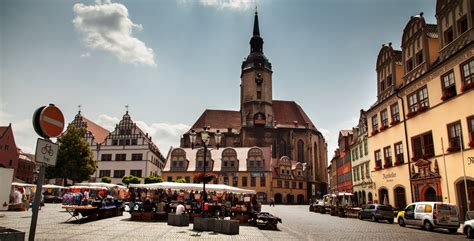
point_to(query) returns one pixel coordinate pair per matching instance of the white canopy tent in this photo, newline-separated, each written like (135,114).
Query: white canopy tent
(47,186)
(99,184)
(193,186)
(18,184)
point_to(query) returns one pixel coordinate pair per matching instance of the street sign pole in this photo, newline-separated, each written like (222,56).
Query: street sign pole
(36,203)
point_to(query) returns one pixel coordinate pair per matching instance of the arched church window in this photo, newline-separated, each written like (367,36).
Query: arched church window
(282,148)
(300,151)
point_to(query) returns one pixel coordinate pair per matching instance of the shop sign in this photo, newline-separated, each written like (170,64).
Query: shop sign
(389,176)
(255,174)
(470,160)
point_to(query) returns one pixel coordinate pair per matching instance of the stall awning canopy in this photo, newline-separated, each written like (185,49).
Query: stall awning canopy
(47,186)
(17,184)
(92,185)
(193,186)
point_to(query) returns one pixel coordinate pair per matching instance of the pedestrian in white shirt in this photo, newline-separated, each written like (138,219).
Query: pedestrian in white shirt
(17,197)
(180,209)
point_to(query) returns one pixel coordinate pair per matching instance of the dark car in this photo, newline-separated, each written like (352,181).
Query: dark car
(377,212)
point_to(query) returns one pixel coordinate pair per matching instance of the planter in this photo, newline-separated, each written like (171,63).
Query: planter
(203,224)
(178,220)
(447,95)
(387,165)
(8,234)
(397,163)
(467,87)
(394,122)
(411,114)
(229,227)
(454,149)
(415,158)
(422,109)
(427,155)
(383,128)
(376,168)
(374,132)
(471,143)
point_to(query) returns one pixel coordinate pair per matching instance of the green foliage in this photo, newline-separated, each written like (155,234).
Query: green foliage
(131,179)
(180,180)
(153,179)
(106,179)
(75,159)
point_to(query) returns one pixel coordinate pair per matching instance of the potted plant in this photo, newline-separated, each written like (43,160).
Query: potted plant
(471,143)
(383,127)
(453,149)
(374,132)
(422,109)
(447,95)
(376,168)
(411,114)
(467,87)
(394,122)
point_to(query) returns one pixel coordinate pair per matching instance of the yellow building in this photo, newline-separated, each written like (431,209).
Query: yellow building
(243,167)
(421,127)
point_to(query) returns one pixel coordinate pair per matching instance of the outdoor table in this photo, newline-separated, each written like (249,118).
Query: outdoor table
(75,211)
(353,212)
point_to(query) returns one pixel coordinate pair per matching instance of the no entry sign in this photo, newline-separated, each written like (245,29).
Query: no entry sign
(48,121)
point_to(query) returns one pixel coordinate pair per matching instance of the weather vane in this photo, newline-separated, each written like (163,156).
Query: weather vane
(79,106)
(126,108)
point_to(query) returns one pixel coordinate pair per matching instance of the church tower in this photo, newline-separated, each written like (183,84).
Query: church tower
(256,84)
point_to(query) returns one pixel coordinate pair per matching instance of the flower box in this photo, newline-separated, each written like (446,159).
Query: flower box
(422,109)
(427,155)
(415,158)
(412,114)
(447,95)
(382,128)
(453,149)
(376,168)
(374,132)
(467,87)
(397,163)
(387,165)
(395,122)
(471,143)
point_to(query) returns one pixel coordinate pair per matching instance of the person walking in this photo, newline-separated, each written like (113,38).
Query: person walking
(272,202)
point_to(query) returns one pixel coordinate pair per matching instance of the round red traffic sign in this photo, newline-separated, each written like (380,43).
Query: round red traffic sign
(51,121)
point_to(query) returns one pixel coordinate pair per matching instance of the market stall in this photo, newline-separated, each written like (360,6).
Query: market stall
(21,195)
(53,193)
(150,201)
(94,200)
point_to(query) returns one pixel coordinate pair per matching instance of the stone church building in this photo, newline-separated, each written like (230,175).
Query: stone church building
(263,122)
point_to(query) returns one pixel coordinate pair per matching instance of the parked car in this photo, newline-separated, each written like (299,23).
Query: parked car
(430,215)
(314,206)
(377,212)
(468,229)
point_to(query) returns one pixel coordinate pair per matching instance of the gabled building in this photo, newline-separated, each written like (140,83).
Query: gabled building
(8,150)
(343,162)
(422,124)
(126,151)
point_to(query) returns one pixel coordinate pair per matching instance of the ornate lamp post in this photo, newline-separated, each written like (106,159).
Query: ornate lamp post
(206,140)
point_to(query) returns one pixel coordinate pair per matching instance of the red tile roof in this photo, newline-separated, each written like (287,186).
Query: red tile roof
(219,119)
(3,130)
(287,112)
(97,131)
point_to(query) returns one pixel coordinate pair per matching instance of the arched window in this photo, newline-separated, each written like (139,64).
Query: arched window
(200,160)
(255,158)
(282,148)
(229,159)
(370,199)
(178,160)
(400,198)
(300,151)
(383,196)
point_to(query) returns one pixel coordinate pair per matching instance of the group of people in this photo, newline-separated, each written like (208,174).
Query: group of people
(180,202)
(23,197)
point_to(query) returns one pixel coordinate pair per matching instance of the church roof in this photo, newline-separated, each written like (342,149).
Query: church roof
(288,114)
(3,130)
(219,119)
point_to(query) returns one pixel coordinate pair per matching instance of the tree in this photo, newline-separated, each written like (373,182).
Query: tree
(75,159)
(106,179)
(153,179)
(180,180)
(131,179)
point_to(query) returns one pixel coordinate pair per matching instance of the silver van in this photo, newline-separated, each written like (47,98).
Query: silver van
(429,215)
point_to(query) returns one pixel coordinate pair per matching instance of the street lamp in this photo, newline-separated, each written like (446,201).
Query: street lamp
(206,140)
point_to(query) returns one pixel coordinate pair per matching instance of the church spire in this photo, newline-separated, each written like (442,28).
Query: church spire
(256,29)
(256,42)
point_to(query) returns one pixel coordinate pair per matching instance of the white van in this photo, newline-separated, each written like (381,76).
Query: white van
(429,215)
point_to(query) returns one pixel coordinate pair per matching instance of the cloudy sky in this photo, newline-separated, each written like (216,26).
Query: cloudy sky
(169,60)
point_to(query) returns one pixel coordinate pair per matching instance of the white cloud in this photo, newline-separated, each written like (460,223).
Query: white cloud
(164,135)
(225,4)
(85,55)
(106,26)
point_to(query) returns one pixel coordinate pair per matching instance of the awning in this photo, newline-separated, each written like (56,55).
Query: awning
(193,186)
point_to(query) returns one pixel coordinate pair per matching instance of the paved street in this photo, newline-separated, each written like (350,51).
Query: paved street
(298,224)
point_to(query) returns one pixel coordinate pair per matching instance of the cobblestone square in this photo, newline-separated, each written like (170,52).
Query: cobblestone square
(298,224)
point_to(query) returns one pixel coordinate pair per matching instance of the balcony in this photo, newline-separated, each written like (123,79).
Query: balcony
(457,44)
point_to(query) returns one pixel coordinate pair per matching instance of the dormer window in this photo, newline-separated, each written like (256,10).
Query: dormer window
(200,160)
(448,35)
(409,65)
(229,159)
(389,81)
(462,25)
(178,160)
(255,158)
(419,57)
